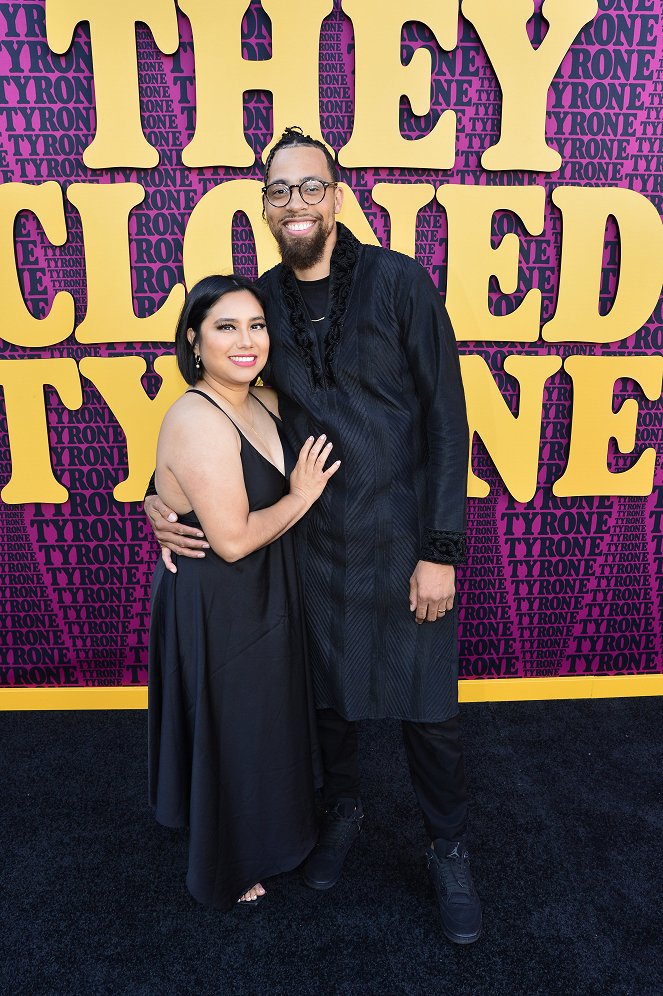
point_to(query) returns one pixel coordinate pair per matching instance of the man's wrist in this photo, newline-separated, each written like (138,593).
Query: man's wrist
(442,547)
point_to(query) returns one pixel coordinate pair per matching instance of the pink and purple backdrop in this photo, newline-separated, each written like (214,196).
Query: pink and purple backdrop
(552,587)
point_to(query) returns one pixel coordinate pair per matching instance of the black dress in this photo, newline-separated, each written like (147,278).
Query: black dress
(231,724)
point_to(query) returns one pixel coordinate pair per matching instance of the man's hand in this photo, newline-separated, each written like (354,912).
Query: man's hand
(432,591)
(187,541)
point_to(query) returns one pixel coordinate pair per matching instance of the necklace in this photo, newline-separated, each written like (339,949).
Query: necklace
(251,425)
(242,421)
(319,319)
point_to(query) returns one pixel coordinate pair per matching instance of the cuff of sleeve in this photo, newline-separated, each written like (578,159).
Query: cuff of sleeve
(151,487)
(443,548)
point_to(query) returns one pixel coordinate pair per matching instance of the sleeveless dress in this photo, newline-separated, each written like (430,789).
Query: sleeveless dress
(232,748)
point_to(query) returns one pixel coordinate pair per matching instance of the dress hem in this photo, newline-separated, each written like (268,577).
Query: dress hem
(287,865)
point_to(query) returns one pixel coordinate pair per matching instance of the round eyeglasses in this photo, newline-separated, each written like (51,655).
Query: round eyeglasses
(311,191)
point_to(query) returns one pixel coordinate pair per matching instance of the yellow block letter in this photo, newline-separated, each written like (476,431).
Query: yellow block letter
(585,211)
(18,325)
(403,201)
(594,423)
(525,74)
(208,236)
(119,140)
(223,75)
(140,417)
(23,382)
(381,79)
(512,441)
(354,218)
(472,260)
(110,316)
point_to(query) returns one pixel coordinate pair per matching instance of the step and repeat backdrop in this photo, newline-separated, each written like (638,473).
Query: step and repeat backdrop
(515,151)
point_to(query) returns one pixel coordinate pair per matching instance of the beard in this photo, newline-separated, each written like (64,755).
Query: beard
(301,253)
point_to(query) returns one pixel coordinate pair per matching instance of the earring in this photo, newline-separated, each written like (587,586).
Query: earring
(198,363)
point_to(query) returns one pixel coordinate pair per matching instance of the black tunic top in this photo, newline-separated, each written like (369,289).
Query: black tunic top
(384,384)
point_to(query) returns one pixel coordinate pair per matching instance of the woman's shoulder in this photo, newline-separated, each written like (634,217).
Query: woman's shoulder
(186,403)
(194,411)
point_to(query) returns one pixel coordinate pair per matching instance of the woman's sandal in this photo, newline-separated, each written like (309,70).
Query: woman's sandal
(241,903)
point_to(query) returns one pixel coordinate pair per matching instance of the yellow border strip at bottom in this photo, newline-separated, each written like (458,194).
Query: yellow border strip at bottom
(477,690)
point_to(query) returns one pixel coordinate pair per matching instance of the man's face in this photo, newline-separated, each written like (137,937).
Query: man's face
(302,230)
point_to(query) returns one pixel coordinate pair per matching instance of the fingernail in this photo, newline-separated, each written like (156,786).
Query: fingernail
(206,546)
(172,517)
(323,436)
(200,535)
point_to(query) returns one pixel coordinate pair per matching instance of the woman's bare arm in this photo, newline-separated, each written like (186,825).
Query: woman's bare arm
(175,537)
(199,466)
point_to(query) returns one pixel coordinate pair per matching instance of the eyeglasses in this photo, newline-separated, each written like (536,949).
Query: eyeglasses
(311,191)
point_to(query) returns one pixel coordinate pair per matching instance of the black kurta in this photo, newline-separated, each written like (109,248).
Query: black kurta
(384,384)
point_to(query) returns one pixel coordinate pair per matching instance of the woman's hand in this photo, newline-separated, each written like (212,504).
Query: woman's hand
(309,478)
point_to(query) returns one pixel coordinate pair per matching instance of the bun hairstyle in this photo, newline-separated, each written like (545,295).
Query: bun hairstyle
(295,136)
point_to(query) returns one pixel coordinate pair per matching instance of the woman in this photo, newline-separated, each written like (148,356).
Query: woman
(231,727)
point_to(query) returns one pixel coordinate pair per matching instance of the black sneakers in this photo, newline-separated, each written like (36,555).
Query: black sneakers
(460,909)
(448,867)
(340,828)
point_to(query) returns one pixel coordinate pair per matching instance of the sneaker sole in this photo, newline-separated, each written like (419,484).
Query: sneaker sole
(320,886)
(462,938)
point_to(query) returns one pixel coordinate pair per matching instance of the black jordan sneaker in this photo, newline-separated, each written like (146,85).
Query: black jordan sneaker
(460,909)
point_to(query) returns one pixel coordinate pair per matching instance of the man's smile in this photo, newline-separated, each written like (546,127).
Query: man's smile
(299,226)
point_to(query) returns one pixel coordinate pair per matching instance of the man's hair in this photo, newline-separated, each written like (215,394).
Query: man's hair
(295,136)
(197,306)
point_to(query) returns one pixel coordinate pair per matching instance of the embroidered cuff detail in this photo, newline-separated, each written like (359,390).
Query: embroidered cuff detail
(443,548)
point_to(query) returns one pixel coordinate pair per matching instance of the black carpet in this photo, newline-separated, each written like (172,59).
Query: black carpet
(566,839)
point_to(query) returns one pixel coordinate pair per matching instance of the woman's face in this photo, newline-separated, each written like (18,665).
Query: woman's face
(233,343)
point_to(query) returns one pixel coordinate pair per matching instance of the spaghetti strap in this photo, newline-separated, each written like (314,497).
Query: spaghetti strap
(213,402)
(242,436)
(263,405)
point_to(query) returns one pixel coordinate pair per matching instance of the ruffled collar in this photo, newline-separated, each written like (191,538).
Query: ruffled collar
(343,263)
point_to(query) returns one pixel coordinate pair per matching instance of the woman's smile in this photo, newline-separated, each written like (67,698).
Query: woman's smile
(244,360)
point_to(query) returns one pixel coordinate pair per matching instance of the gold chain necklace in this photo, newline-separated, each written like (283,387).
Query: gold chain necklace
(245,422)
(252,427)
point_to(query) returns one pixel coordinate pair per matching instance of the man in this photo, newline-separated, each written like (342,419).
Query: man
(362,349)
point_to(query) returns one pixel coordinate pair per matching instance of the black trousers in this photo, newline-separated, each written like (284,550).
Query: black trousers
(435,757)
